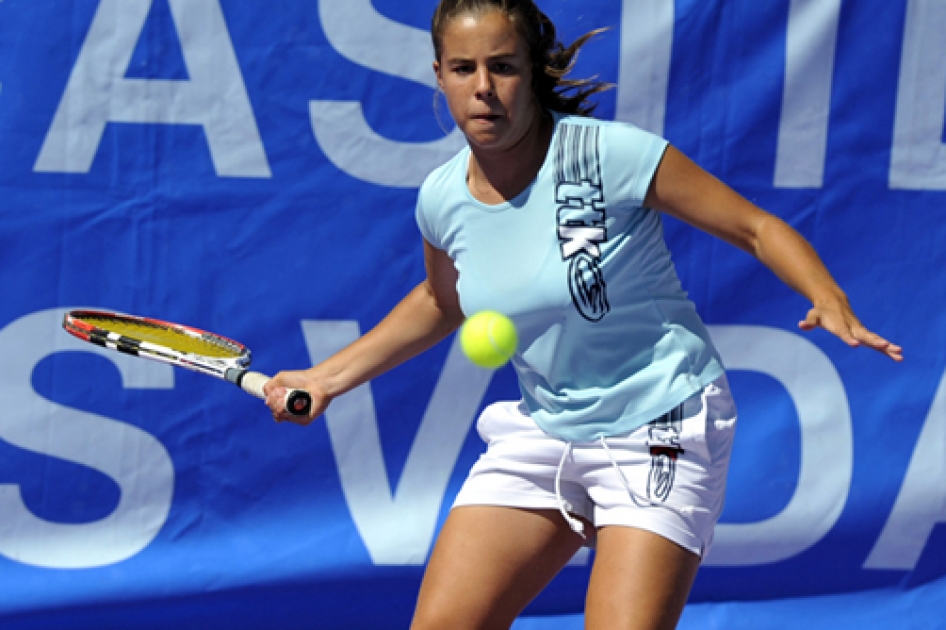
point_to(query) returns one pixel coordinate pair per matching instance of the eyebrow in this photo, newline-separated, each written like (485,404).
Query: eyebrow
(496,57)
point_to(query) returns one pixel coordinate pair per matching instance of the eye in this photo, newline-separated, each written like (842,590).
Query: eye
(463,68)
(503,67)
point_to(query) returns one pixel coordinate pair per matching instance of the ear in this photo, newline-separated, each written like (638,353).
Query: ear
(437,72)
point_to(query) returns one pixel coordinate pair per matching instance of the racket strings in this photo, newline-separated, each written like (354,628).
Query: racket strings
(176,339)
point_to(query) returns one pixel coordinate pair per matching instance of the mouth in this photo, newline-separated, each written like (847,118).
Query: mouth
(486,117)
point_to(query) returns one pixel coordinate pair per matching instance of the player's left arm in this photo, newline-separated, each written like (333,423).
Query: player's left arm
(682,189)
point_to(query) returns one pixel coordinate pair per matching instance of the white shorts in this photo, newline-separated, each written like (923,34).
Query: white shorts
(667,477)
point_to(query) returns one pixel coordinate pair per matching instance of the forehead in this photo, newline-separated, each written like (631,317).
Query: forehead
(474,34)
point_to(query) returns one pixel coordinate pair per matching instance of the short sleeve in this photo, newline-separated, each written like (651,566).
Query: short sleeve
(632,156)
(421,215)
(434,197)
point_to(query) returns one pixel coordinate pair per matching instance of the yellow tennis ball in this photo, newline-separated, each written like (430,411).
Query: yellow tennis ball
(488,339)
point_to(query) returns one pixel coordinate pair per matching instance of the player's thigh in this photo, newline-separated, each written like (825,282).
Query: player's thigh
(640,580)
(489,563)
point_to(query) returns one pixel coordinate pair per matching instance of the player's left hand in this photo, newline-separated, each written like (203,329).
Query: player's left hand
(837,317)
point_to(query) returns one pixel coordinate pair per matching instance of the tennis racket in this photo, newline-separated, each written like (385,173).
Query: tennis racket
(179,345)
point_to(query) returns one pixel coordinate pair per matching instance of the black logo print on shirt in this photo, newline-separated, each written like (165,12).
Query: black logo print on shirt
(581,217)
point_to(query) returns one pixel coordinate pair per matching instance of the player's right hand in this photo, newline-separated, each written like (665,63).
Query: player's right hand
(277,387)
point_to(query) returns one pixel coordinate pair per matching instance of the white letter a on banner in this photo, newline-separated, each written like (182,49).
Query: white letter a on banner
(921,503)
(214,97)
(397,528)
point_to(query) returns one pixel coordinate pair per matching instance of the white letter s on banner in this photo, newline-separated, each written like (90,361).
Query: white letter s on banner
(359,33)
(135,460)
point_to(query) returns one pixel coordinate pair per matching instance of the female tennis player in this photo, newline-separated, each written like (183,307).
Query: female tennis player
(623,435)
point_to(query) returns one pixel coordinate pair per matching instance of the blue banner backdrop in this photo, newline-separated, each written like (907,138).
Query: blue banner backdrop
(251,168)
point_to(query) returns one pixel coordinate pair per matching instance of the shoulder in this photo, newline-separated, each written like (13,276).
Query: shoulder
(614,136)
(588,121)
(624,156)
(446,176)
(441,188)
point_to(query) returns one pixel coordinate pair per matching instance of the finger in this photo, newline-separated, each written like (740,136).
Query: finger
(895,352)
(274,400)
(847,336)
(811,321)
(274,383)
(875,341)
(851,331)
(836,324)
(300,420)
(281,414)
(275,394)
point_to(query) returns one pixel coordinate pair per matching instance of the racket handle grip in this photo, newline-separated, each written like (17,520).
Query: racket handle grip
(298,401)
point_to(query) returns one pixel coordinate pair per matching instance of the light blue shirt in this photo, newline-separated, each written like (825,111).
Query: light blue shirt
(608,339)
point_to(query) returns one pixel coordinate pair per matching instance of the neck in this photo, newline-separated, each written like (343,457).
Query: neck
(496,176)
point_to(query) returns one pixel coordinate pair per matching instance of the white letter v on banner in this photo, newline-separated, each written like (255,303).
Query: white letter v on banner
(398,529)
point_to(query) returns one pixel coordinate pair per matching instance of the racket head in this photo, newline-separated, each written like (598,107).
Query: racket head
(177,344)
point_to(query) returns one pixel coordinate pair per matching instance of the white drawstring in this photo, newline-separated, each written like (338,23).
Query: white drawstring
(643,501)
(577,526)
(640,500)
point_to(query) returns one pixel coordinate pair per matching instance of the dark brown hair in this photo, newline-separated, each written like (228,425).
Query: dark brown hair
(551,60)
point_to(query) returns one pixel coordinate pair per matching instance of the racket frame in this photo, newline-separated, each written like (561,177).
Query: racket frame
(75,323)
(233,369)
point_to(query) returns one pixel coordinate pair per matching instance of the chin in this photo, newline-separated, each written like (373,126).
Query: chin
(485,141)
(487,145)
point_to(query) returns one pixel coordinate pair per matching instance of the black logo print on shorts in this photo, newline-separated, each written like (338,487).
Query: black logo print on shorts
(664,441)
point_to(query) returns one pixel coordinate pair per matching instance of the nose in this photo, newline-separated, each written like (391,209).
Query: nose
(484,84)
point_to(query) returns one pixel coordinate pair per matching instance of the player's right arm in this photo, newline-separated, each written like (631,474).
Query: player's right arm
(429,313)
